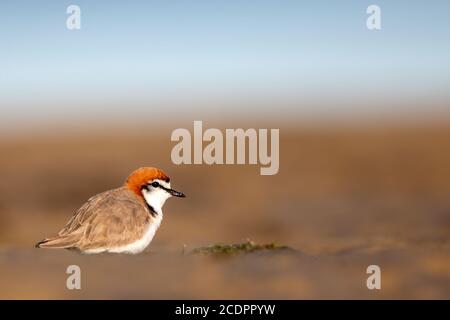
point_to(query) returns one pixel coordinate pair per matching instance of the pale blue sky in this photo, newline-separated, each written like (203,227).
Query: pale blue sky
(140,53)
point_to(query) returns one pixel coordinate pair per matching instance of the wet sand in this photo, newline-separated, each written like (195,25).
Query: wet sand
(343,198)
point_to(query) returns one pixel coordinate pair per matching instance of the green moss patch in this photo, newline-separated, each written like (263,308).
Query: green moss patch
(239,248)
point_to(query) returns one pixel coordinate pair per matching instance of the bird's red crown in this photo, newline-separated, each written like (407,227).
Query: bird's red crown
(140,177)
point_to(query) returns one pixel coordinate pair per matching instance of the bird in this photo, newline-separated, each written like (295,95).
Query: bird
(122,220)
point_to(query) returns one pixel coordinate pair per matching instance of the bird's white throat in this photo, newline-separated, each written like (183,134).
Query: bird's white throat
(156,198)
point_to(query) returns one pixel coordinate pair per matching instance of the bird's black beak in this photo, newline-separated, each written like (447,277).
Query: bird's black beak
(176,193)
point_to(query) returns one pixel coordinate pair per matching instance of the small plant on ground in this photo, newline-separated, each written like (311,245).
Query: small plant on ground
(239,248)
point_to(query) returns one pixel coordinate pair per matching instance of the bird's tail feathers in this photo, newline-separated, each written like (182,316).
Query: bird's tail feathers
(58,242)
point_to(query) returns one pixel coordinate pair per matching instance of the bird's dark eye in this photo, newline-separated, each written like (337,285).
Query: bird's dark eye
(155,184)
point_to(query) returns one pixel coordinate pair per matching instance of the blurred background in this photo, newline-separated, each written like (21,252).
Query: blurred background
(364,119)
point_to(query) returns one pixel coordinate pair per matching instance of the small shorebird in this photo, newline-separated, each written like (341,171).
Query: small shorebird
(122,220)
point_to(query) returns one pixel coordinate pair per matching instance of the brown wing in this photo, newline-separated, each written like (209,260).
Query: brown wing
(113,218)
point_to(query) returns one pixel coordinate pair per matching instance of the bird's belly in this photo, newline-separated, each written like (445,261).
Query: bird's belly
(140,244)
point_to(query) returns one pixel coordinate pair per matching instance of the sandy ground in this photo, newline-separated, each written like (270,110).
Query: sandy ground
(344,199)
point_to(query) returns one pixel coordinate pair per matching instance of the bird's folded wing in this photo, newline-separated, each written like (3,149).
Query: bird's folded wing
(113,218)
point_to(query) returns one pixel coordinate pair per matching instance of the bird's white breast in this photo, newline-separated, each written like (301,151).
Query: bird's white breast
(139,245)
(155,200)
